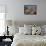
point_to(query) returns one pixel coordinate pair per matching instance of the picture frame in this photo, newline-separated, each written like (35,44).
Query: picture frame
(30,9)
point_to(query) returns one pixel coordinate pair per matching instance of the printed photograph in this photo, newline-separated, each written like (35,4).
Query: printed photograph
(30,9)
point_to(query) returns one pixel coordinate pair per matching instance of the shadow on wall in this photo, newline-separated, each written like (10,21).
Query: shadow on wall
(21,23)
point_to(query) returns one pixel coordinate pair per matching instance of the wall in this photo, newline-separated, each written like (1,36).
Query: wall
(41,11)
(15,10)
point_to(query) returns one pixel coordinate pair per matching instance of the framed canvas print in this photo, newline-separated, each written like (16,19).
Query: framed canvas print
(30,9)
